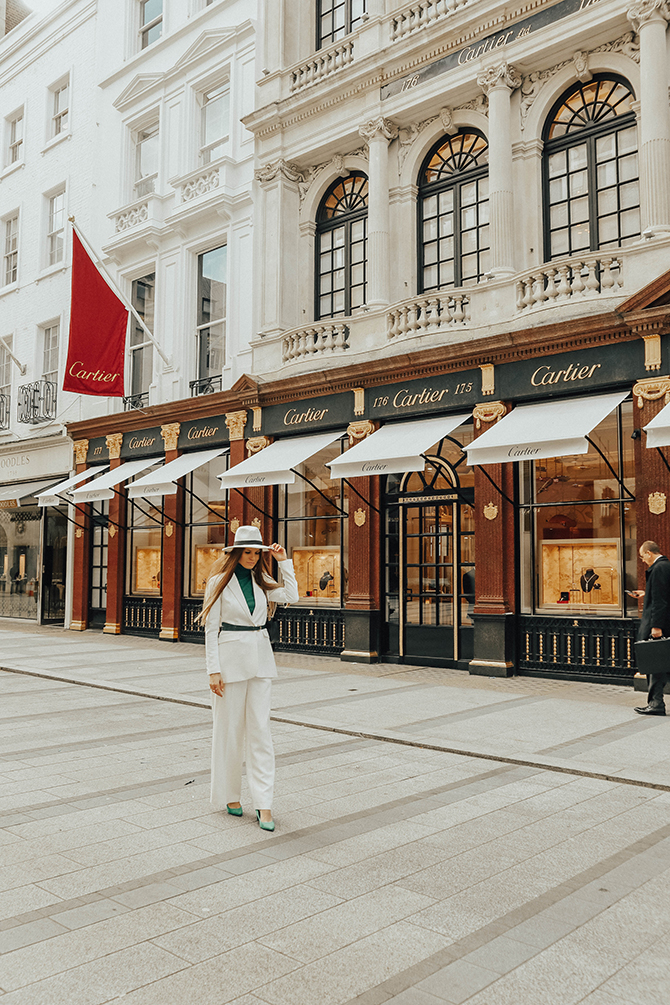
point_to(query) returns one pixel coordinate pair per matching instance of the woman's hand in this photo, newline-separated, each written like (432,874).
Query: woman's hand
(216,684)
(278,552)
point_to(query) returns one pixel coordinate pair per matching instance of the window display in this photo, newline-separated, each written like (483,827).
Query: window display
(206,524)
(19,561)
(145,540)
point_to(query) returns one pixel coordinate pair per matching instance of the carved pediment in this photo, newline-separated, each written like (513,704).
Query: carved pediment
(137,87)
(202,45)
(654,294)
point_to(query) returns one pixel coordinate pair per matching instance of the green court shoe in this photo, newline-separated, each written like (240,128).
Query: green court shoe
(265,825)
(235,811)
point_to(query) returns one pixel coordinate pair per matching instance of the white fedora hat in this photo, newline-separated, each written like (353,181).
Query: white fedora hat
(248,537)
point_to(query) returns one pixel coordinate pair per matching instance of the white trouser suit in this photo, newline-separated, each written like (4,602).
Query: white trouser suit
(241,718)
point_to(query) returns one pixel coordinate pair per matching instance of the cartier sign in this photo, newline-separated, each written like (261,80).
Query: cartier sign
(505,35)
(567,373)
(210,432)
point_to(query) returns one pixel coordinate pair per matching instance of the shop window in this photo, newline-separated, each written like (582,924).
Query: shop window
(341,247)
(144,544)
(56,228)
(336,18)
(19,561)
(578,529)
(313,529)
(453,236)
(146,160)
(591,172)
(214,122)
(206,524)
(151,21)
(141,349)
(211,321)
(10,269)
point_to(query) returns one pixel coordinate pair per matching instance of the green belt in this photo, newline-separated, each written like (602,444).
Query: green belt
(225,627)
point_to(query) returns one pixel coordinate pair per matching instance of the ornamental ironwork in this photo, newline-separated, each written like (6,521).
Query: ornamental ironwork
(206,385)
(5,403)
(37,402)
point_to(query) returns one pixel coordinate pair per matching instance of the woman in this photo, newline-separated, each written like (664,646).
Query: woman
(241,665)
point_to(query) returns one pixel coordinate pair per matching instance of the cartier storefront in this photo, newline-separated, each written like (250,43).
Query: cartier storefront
(478,507)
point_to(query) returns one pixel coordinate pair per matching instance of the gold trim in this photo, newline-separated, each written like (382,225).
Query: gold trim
(490,511)
(359,430)
(359,400)
(651,389)
(236,421)
(488,378)
(78,626)
(500,664)
(112,531)
(111,628)
(360,516)
(169,529)
(257,413)
(170,434)
(256,444)
(169,634)
(491,412)
(652,352)
(114,442)
(80,451)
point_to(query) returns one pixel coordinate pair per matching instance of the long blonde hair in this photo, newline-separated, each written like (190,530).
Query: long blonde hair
(224,567)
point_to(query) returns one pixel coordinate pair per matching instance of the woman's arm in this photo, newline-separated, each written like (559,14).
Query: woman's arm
(212,625)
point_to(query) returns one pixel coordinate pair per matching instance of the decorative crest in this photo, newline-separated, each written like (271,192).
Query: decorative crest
(169,529)
(656,502)
(490,511)
(360,516)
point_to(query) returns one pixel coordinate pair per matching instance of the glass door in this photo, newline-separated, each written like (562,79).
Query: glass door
(97,604)
(54,566)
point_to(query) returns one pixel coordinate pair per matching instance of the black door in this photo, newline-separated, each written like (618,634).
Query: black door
(97,602)
(429,567)
(54,566)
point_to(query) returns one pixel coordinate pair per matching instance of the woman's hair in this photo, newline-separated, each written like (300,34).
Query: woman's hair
(224,567)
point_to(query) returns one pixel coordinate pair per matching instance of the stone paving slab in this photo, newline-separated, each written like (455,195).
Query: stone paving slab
(400,871)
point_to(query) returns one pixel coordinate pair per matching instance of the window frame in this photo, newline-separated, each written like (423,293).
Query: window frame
(323,226)
(139,349)
(455,184)
(10,255)
(6,365)
(56,127)
(53,233)
(145,27)
(191,524)
(51,351)
(350,23)
(145,185)
(588,135)
(202,326)
(14,146)
(205,149)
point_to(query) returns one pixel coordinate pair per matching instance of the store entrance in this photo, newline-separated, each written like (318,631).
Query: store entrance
(54,566)
(430,572)
(97,596)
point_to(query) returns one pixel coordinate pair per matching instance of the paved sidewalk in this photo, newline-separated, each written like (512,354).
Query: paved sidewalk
(485,858)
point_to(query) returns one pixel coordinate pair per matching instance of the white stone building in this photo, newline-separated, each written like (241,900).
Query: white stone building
(126,117)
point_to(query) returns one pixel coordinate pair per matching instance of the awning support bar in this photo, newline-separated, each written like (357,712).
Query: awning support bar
(366,501)
(322,494)
(202,502)
(663,458)
(239,492)
(496,487)
(144,512)
(88,516)
(619,480)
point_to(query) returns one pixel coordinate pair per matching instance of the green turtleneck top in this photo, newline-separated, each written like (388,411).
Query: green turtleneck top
(246,582)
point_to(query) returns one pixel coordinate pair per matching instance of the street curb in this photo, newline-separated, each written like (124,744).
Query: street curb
(357,734)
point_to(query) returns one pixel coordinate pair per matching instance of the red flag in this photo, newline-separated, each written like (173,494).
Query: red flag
(98,323)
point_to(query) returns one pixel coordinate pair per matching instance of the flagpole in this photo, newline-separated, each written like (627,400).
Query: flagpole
(119,293)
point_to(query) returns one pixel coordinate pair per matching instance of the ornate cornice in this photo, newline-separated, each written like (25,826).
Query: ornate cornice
(644,10)
(80,451)
(359,430)
(503,75)
(236,421)
(491,412)
(257,443)
(651,389)
(170,434)
(379,127)
(114,442)
(285,169)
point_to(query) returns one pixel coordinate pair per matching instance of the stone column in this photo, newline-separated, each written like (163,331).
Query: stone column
(378,133)
(362,607)
(116,545)
(276,243)
(82,551)
(173,545)
(649,18)
(495,635)
(498,82)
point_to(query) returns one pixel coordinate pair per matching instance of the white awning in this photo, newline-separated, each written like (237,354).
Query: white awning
(548,429)
(163,481)
(394,448)
(272,466)
(51,498)
(11,495)
(102,488)
(658,430)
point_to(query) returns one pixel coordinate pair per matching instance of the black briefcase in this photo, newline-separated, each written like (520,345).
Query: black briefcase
(653,656)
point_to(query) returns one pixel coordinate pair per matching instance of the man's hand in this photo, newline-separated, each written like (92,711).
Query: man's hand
(638,594)
(656,633)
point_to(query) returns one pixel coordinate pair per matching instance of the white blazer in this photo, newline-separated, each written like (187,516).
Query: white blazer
(243,655)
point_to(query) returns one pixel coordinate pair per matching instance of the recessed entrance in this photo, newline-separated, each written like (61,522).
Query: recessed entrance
(430,562)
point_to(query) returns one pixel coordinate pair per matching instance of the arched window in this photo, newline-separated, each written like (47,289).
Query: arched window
(336,18)
(454,212)
(591,175)
(342,247)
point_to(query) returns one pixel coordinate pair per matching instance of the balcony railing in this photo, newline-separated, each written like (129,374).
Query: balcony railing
(5,403)
(317,340)
(569,279)
(321,65)
(421,14)
(429,313)
(132,401)
(37,402)
(206,385)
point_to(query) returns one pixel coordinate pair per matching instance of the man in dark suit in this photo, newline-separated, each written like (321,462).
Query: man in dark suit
(655,621)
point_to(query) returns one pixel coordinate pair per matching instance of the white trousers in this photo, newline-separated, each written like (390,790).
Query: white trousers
(243,714)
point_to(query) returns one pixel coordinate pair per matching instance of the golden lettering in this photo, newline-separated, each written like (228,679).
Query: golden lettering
(294,418)
(101,376)
(144,442)
(404,399)
(545,375)
(199,434)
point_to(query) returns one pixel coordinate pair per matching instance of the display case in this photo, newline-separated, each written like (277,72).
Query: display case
(204,557)
(318,573)
(583,575)
(147,570)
